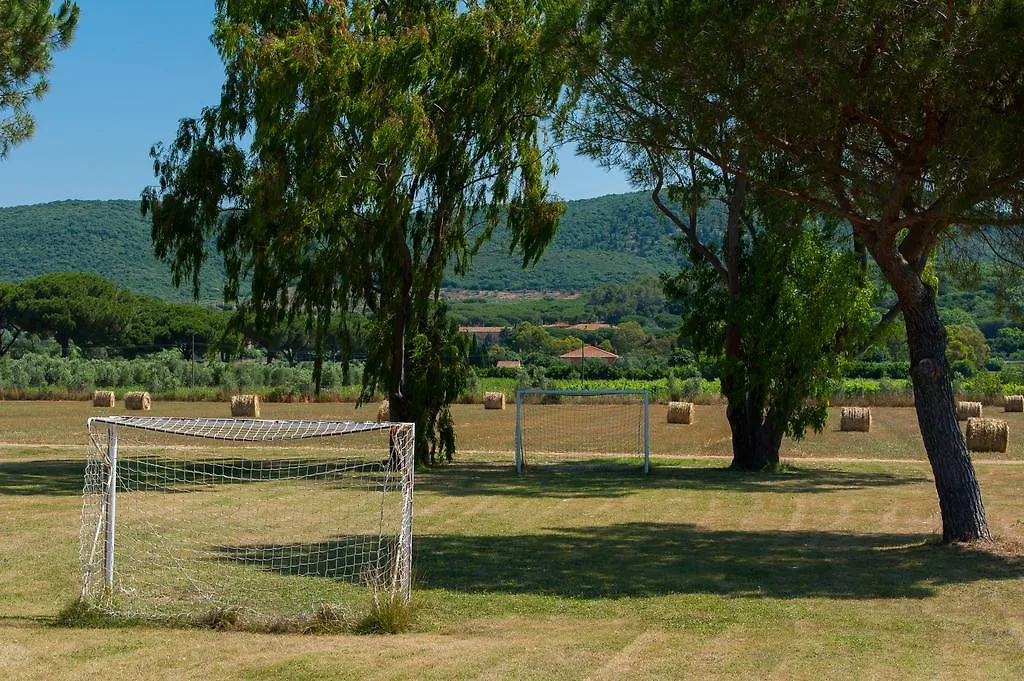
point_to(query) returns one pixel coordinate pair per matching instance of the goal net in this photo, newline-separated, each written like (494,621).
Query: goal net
(187,516)
(554,426)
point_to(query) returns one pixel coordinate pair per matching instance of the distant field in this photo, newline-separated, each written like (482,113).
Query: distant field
(491,434)
(826,571)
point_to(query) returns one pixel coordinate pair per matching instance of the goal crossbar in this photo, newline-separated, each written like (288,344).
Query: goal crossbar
(244,430)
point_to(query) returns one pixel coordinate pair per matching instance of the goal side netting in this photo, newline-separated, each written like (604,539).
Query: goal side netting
(556,426)
(184,516)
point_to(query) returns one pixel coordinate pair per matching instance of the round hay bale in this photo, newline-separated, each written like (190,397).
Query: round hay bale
(138,401)
(987,435)
(384,412)
(246,405)
(968,410)
(680,412)
(855,419)
(1014,403)
(494,400)
(103,398)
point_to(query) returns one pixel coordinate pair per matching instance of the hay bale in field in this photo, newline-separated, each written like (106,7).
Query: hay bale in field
(246,405)
(138,401)
(494,400)
(680,412)
(987,435)
(967,410)
(384,412)
(855,419)
(103,398)
(1014,403)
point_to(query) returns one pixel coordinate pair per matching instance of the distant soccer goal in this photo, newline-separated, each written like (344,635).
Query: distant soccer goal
(555,426)
(270,518)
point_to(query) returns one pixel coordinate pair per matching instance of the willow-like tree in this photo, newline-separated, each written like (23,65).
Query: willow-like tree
(29,35)
(358,149)
(904,119)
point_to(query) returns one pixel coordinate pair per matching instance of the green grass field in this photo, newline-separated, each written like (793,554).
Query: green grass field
(829,570)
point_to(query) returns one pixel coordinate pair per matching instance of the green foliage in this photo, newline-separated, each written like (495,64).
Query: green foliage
(800,302)
(674,387)
(85,615)
(390,613)
(29,35)
(966,343)
(628,337)
(436,372)
(532,377)
(608,240)
(108,238)
(363,148)
(162,373)
(984,384)
(1010,342)
(83,308)
(640,298)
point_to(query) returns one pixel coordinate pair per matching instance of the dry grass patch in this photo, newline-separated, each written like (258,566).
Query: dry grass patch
(827,570)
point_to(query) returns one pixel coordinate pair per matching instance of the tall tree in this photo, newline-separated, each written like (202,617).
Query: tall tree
(29,35)
(72,306)
(768,297)
(9,330)
(903,119)
(384,141)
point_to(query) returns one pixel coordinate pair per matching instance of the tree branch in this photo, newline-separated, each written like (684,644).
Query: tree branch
(689,230)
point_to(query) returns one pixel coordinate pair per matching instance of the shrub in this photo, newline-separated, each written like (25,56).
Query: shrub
(692,387)
(675,388)
(963,367)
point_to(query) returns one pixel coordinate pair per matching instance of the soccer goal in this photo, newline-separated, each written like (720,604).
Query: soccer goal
(554,426)
(273,519)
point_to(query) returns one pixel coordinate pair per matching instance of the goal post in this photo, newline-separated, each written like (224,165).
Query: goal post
(559,425)
(271,518)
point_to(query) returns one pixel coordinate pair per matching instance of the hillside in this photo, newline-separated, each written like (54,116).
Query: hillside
(109,238)
(607,240)
(611,239)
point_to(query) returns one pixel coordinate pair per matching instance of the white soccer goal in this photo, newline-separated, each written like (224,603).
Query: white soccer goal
(184,516)
(560,425)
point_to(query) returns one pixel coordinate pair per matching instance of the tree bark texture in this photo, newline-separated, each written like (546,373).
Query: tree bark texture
(755,440)
(963,513)
(960,503)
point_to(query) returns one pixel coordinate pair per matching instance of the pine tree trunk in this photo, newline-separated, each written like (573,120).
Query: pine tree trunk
(963,513)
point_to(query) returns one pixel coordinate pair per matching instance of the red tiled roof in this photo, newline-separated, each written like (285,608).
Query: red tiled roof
(588,352)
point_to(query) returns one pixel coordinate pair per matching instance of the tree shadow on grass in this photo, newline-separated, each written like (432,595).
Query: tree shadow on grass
(611,480)
(169,475)
(51,477)
(656,559)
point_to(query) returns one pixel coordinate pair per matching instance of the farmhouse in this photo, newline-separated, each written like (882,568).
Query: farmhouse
(577,355)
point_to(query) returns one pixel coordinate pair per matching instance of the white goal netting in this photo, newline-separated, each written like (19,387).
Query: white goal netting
(555,426)
(182,516)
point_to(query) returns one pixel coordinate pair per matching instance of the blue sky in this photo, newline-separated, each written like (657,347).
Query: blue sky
(134,69)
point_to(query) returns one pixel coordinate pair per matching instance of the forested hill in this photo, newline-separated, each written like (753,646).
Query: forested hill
(611,239)
(607,240)
(109,238)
